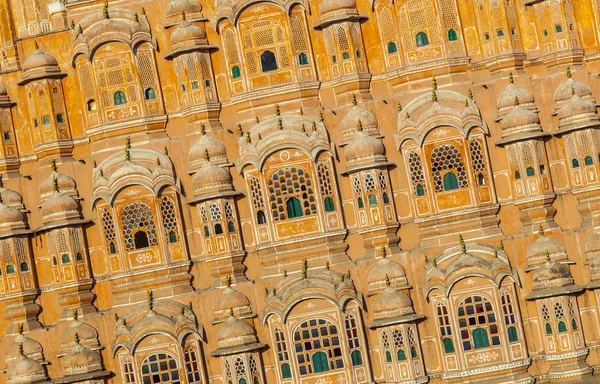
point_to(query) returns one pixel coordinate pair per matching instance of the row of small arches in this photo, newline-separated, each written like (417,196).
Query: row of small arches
(10,269)
(562,327)
(481,339)
(268,62)
(60,118)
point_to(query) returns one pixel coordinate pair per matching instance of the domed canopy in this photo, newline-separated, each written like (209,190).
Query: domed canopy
(231,300)
(192,9)
(506,100)
(364,151)
(59,207)
(211,179)
(81,359)
(536,252)
(10,197)
(4,99)
(217,153)
(87,335)
(519,117)
(576,106)
(25,371)
(31,348)
(551,274)
(386,270)
(392,306)
(336,10)
(566,90)
(351,121)
(235,336)
(11,219)
(65,185)
(592,245)
(40,65)
(187,37)
(577,113)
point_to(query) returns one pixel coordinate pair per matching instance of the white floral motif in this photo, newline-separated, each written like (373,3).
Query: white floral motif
(483,357)
(144,258)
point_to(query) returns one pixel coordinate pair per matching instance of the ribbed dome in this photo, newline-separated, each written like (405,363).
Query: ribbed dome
(81,359)
(87,334)
(356,114)
(58,206)
(512,91)
(392,303)
(211,177)
(233,329)
(39,59)
(10,216)
(216,151)
(187,34)
(566,90)
(545,244)
(10,197)
(178,7)
(386,268)
(551,274)
(31,349)
(363,145)
(517,117)
(65,183)
(230,298)
(25,371)
(576,106)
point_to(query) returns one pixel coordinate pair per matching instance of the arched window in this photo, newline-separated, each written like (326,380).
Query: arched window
(302,59)
(46,120)
(91,105)
(183,88)
(60,118)
(558,28)
(530,171)
(386,198)
(358,54)
(286,371)
(65,259)
(218,229)
(486,36)
(315,340)
(260,217)
(24,267)
(242,381)
(452,36)
(480,338)
(562,327)
(334,59)
(268,61)
(574,324)
(401,355)
(509,316)
(160,368)
(588,160)
(329,206)
(128,374)
(294,208)
(282,354)
(480,179)
(235,72)
(230,227)
(545,32)
(450,181)
(448,345)
(548,329)
(79,256)
(388,357)
(517,175)
(361,204)
(10,269)
(420,190)
(353,340)
(413,352)
(500,33)
(119,98)
(150,94)
(140,240)
(392,47)
(422,39)
(372,200)
(54,261)
(192,368)
(320,362)
(476,317)
(356,358)
(346,55)
(513,334)
(172,237)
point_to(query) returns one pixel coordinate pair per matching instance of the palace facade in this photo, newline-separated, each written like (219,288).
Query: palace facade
(300,191)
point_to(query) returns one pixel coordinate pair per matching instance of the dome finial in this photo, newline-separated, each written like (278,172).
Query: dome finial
(202,129)
(55,184)
(228,281)
(511,79)
(128,142)
(150,299)
(105,10)
(101,173)
(248,138)
(74,315)
(206,155)
(354,102)
(166,151)
(304,268)
(387,281)
(183,16)
(277,110)
(321,118)
(434,83)
(359,126)
(158,161)
(327,266)
(231,312)
(502,245)
(569,74)
(72,24)
(399,107)
(463,246)
(467,103)
(20,328)
(547,256)
(495,253)
(434,97)
(517,101)
(471,95)
(383,255)
(35,44)
(136,18)
(541,231)
(284,273)
(53,165)
(76,338)
(21,349)
(79,30)
(239,130)
(301,111)
(572,91)
(314,126)
(280,124)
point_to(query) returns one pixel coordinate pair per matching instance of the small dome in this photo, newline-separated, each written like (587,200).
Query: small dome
(331,6)
(24,371)
(235,328)
(230,298)
(512,92)
(362,146)
(518,117)
(176,8)
(10,216)
(59,206)
(576,106)
(31,349)
(355,115)
(211,177)
(11,198)
(187,34)
(39,59)
(386,268)
(87,334)
(544,244)
(65,183)
(216,151)
(81,359)
(566,90)
(392,302)
(551,274)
